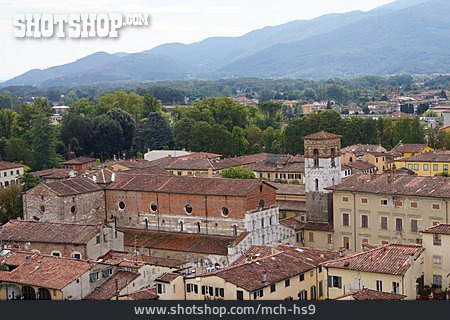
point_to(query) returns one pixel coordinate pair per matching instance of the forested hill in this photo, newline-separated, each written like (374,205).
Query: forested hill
(407,36)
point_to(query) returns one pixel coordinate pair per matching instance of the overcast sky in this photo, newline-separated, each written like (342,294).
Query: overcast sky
(171,21)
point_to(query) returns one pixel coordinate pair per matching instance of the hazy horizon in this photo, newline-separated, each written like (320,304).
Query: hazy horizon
(171,21)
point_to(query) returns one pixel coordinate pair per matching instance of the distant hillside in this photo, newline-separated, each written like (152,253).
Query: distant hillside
(407,36)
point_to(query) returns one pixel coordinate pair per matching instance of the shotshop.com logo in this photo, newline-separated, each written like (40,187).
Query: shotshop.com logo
(77,25)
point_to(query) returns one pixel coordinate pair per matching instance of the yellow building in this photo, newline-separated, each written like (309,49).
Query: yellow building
(390,268)
(381,160)
(427,164)
(32,276)
(405,150)
(291,200)
(311,234)
(436,241)
(387,208)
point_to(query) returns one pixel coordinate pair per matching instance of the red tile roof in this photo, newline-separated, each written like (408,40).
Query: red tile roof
(47,232)
(368,294)
(275,268)
(433,156)
(144,294)
(4,165)
(297,225)
(185,185)
(360,165)
(396,184)
(389,259)
(177,241)
(361,149)
(289,188)
(121,258)
(322,136)
(438,229)
(408,147)
(112,286)
(79,160)
(55,173)
(48,272)
(72,186)
(167,277)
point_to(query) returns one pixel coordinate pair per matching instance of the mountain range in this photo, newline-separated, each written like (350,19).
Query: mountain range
(406,36)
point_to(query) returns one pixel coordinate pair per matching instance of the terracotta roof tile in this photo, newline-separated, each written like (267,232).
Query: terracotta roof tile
(48,272)
(167,277)
(438,229)
(47,232)
(289,188)
(433,156)
(177,241)
(79,160)
(73,186)
(389,259)
(144,294)
(396,184)
(360,165)
(119,257)
(368,294)
(185,185)
(322,136)
(408,147)
(113,285)
(4,165)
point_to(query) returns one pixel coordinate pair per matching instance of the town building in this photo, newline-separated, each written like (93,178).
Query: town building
(427,164)
(405,150)
(322,170)
(80,164)
(279,168)
(10,173)
(311,234)
(357,151)
(392,268)
(61,240)
(385,208)
(264,273)
(436,241)
(33,276)
(291,200)
(55,174)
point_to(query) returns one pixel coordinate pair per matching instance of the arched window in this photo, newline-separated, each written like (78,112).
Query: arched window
(333,156)
(317,184)
(261,203)
(316,157)
(181,226)
(235,230)
(44,294)
(28,293)
(76,255)
(73,209)
(146,223)
(199,227)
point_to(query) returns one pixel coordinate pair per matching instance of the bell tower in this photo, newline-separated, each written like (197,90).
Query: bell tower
(322,170)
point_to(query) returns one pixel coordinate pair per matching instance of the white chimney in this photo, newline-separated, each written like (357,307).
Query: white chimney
(94,178)
(264,277)
(113,177)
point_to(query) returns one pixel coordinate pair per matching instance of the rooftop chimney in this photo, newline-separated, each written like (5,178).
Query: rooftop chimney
(113,177)
(341,251)
(27,260)
(264,277)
